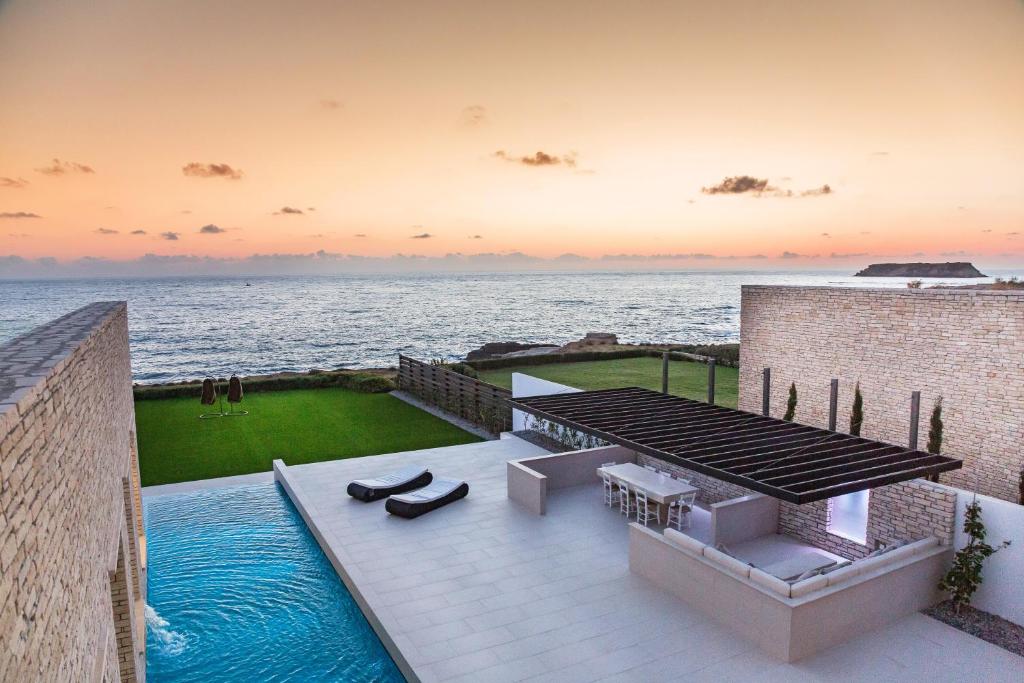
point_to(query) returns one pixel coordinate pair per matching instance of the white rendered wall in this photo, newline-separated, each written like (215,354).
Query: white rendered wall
(525,385)
(1002,592)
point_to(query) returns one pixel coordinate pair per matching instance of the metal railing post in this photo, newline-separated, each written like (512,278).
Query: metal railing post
(915,418)
(664,372)
(766,390)
(711,381)
(833,404)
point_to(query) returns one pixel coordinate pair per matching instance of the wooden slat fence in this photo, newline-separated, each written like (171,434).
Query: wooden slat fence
(479,402)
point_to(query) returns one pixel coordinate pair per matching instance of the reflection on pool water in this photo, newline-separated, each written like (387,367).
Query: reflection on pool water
(239,590)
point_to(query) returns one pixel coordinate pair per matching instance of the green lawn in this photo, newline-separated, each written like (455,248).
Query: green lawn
(684,378)
(298,427)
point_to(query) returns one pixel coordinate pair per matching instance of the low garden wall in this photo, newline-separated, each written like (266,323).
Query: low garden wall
(530,479)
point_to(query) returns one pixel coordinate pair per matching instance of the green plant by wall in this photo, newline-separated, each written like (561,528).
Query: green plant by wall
(791,404)
(935,429)
(857,412)
(964,577)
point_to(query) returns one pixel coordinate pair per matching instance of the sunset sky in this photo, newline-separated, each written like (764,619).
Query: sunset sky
(231,128)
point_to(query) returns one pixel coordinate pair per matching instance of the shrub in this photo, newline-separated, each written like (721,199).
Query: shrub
(964,577)
(464,369)
(357,381)
(791,404)
(857,412)
(371,384)
(914,284)
(935,428)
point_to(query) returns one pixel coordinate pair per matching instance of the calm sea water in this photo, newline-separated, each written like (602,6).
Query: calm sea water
(186,328)
(239,590)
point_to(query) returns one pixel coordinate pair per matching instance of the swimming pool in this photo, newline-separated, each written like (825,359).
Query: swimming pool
(239,590)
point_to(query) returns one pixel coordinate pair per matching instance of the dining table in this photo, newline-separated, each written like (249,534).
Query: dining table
(660,488)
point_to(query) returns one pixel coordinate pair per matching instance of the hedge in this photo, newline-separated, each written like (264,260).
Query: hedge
(724,354)
(364,382)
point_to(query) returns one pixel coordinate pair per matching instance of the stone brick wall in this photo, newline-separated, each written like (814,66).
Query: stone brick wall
(68,550)
(966,346)
(711,490)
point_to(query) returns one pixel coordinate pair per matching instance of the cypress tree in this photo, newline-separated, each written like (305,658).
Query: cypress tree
(857,412)
(935,429)
(790,404)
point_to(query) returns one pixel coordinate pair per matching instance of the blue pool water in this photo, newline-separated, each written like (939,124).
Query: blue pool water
(239,590)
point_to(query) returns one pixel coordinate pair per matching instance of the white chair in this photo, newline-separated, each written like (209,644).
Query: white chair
(645,510)
(611,489)
(681,480)
(652,468)
(665,474)
(679,511)
(627,502)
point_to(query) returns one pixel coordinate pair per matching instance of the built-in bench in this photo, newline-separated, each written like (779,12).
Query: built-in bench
(791,620)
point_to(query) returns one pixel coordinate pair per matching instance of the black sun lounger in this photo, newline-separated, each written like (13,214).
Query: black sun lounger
(405,479)
(415,503)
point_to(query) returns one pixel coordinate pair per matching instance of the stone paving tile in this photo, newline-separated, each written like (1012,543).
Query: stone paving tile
(483,591)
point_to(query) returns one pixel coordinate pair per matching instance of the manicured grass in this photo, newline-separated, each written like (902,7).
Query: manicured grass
(684,378)
(298,427)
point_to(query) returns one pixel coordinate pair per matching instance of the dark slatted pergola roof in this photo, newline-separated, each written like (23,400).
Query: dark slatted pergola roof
(786,460)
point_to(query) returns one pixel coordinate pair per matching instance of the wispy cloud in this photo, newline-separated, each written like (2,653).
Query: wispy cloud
(473,116)
(198,170)
(760,187)
(359,234)
(422,236)
(476,237)
(845,256)
(58,168)
(288,210)
(13,183)
(330,104)
(740,184)
(172,236)
(105,231)
(138,232)
(825,234)
(538,159)
(211,229)
(19,214)
(790,255)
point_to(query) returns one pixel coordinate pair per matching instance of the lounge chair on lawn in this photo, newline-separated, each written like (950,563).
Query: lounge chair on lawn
(405,479)
(415,503)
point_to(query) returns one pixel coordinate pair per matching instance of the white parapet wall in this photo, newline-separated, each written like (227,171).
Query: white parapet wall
(1002,592)
(525,385)
(530,479)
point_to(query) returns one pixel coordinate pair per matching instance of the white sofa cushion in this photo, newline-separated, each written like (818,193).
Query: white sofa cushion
(801,588)
(684,542)
(843,574)
(728,561)
(770,582)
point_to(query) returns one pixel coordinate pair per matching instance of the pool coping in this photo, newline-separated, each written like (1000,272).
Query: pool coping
(204,484)
(294,491)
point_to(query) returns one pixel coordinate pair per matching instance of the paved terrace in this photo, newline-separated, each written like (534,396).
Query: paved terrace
(483,591)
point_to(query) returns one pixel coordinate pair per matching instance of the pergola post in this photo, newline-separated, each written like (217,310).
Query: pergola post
(711,381)
(915,417)
(833,404)
(766,390)
(664,372)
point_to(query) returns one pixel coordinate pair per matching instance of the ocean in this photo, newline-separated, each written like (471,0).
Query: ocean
(189,327)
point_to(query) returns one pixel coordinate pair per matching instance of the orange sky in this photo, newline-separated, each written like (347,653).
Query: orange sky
(386,117)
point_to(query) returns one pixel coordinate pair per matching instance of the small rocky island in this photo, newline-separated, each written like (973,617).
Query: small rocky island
(958,269)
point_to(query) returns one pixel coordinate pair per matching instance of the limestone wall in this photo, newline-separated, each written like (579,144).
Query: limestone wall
(72,580)
(966,346)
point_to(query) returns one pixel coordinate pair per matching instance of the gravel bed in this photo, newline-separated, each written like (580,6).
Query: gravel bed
(988,627)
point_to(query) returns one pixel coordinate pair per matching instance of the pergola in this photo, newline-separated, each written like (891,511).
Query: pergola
(789,461)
